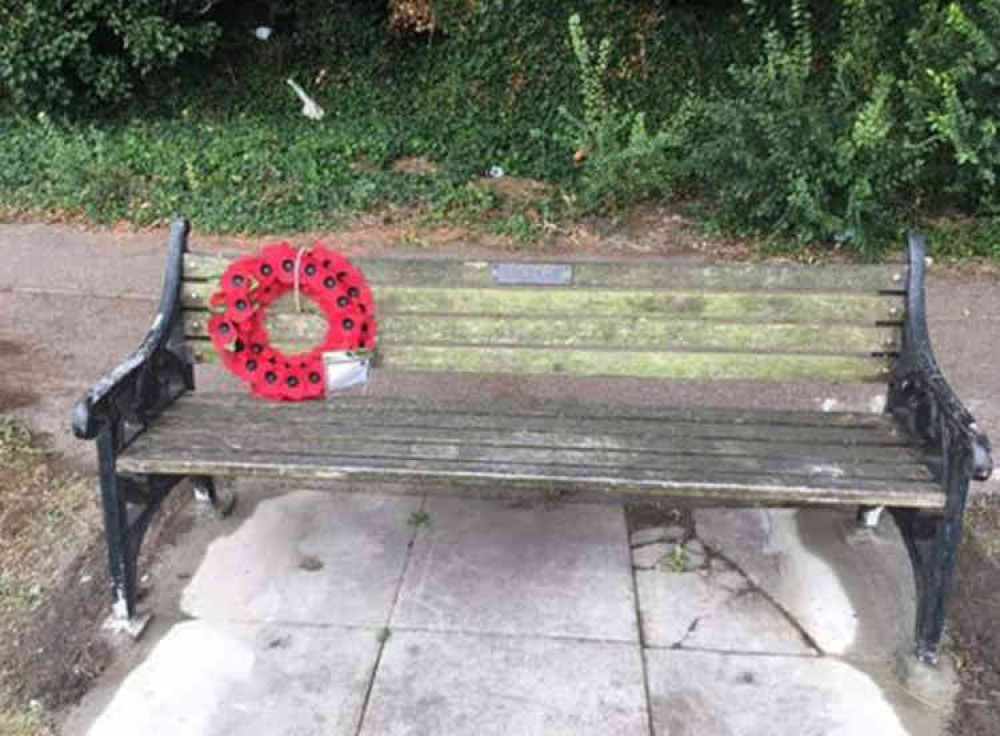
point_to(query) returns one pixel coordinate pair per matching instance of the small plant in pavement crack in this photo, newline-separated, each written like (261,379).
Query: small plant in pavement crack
(419,518)
(675,561)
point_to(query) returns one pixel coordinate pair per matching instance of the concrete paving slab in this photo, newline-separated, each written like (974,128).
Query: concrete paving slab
(854,595)
(203,679)
(458,684)
(712,610)
(710,694)
(486,567)
(306,557)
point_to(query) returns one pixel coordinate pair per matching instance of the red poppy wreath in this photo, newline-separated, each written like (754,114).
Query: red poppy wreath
(251,283)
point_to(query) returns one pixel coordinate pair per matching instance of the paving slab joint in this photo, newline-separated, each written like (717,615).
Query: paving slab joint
(385,633)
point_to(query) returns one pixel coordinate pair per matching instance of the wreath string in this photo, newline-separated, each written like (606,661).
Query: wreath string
(298,264)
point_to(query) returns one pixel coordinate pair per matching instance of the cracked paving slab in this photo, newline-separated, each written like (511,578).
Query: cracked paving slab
(853,594)
(714,608)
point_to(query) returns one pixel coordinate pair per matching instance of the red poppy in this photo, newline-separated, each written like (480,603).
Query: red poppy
(295,383)
(311,272)
(282,256)
(265,270)
(223,334)
(239,277)
(315,387)
(271,382)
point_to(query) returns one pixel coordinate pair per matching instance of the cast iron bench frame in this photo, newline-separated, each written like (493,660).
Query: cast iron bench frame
(129,399)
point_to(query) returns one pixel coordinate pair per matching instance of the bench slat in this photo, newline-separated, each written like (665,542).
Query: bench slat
(396,411)
(650,431)
(612,363)
(816,465)
(207,431)
(647,274)
(623,333)
(550,302)
(658,432)
(615,485)
(740,472)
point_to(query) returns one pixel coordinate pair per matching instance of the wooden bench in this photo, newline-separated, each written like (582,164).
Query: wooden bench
(653,320)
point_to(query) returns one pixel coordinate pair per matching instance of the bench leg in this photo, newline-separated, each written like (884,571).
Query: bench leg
(122,549)
(932,542)
(206,491)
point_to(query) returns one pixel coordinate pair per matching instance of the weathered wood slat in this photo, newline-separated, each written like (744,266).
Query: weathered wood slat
(612,363)
(624,431)
(647,274)
(199,429)
(599,460)
(513,413)
(649,484)
(624,333)
(553,302)
(739,472)
(602,363)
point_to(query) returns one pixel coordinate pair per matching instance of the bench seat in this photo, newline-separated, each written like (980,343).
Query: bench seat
(573,450)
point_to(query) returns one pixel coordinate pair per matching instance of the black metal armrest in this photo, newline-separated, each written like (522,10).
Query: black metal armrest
(920,399)
(152,377)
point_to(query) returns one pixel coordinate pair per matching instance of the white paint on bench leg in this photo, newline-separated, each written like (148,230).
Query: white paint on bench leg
(868,518)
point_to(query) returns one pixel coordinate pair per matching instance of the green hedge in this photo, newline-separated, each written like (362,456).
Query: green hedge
(837,121)
(92,53)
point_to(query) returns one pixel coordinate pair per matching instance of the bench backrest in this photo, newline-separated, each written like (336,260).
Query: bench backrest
(596,318)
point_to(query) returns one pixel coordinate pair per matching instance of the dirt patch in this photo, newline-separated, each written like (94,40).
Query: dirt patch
(14,398)
(56,652)
(53,582)
(414,165)
(517,188)
(973,628)
(11,399)
(9,348)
